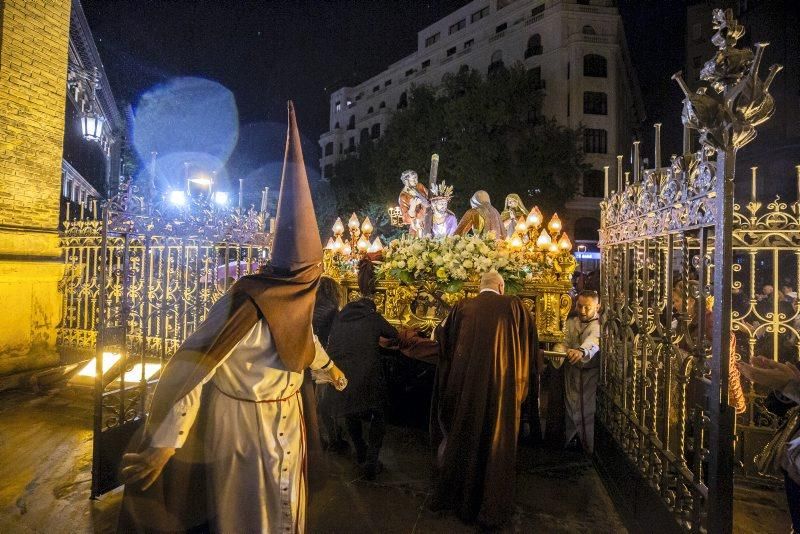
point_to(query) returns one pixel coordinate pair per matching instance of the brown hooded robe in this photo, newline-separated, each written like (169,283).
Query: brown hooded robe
(284,296)
(486,344)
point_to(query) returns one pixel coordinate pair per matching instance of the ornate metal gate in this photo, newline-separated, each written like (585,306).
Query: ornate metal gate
(137,283)
(666,242)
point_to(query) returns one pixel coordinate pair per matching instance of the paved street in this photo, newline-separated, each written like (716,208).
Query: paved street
(45,466)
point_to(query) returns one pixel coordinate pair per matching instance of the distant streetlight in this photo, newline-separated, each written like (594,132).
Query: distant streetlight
(177,198)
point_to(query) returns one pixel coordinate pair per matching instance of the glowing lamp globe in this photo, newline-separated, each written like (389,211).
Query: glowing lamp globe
(177,198)
(534,217)
(376,246)
(363,244)
(92,126)
(555,224)
(366,226)
(516,241)
(338,227)
(330,244)
(544,240)
(338,244)
(347,249)
(564,243)
(353,223)
(521,227)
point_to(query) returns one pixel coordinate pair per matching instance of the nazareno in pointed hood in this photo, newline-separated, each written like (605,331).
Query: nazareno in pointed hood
(296,243)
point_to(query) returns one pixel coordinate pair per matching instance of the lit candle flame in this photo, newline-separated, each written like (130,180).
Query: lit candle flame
(544,240)
(338,227)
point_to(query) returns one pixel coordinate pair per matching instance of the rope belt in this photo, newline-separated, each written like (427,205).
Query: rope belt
(297,392)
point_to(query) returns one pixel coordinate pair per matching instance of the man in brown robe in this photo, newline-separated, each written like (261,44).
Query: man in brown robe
(481,218)
(232,421)
(486,348)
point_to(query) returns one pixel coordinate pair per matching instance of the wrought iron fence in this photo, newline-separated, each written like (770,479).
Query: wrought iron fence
(136,284)
(670,335)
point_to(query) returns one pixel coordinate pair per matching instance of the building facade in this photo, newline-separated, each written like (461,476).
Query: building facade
(37,41)
(577,47)
(776,149)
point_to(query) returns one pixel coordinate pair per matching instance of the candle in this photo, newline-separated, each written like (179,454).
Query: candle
(66,211)
(636,162)
(272,225)
(686,139)
(627,177)
(619,172)
(605,177)
(754,177)
(81,212)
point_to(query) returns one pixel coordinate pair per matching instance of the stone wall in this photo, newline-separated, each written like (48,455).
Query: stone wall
(34,40)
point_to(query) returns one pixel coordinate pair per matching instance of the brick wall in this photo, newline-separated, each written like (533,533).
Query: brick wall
(33,78)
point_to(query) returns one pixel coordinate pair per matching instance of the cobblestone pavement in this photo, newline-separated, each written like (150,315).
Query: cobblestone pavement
(45,468)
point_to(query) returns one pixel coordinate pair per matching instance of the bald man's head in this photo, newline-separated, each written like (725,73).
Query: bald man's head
(493,280)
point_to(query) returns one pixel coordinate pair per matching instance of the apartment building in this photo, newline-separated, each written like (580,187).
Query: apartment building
(577,47)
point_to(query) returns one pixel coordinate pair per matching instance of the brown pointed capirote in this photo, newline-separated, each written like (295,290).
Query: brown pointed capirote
(296,243)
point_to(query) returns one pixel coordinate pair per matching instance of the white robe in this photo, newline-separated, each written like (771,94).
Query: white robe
(580,381)
(255,451)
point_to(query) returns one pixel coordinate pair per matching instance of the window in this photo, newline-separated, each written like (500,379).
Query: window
(501,28)
(349,103)
(594,141)
(359,96)
(383,105)
(409,72)
(588,30)
(351,146)
(458,26)
(426,63)
(468,44)
(432,39)
(534,47)
(594,66)
(387,83)
(537,10)
(478,15)
(595,103)
(593,183)
(503,3)
(327,172)
(336,126)
(403,101)
(376,130)
(329,149)
(371,110)
(497,62)
(363,136)
(338,106)
(341,148)
(451,51)
(376,88)
(351,124)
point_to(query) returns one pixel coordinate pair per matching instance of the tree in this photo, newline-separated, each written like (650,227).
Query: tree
(489,133)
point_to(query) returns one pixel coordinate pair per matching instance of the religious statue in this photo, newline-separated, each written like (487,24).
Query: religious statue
(414,203)
(481,218)
(513,210)
(441,222)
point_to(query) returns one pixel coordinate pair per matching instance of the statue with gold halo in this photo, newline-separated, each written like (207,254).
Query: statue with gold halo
(514,209)
(441,221)
(414,203)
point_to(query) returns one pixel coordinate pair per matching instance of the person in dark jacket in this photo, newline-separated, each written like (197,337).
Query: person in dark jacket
(326,307)
(354,341)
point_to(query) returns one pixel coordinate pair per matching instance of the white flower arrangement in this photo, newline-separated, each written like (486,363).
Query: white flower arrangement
(454,260)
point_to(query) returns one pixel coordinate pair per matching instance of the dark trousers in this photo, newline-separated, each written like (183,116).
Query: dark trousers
(793,496)
(367,450)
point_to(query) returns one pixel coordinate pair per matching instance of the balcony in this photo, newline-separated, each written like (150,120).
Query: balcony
(497,36)
(534,18)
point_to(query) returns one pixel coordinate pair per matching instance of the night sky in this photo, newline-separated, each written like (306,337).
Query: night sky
(266,52)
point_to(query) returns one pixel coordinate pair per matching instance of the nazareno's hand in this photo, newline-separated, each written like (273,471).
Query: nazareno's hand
(145,466)
(769,373)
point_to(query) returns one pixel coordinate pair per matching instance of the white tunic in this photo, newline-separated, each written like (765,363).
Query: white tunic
(254,450)
(580,381)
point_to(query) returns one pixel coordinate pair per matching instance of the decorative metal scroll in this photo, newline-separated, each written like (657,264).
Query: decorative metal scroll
(667,244)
